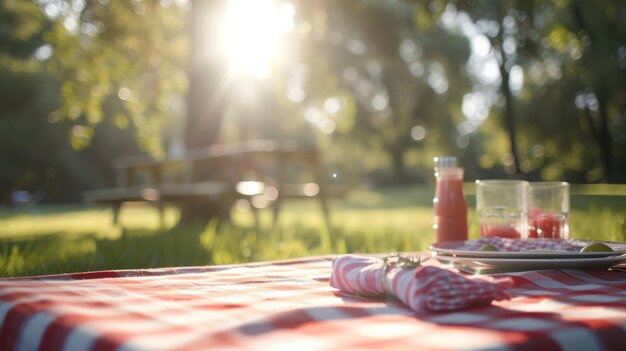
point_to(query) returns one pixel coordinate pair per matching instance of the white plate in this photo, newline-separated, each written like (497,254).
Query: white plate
(497,265)
(454,248)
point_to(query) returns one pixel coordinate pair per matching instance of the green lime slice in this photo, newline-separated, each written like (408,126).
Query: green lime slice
(596,247)
(488,247)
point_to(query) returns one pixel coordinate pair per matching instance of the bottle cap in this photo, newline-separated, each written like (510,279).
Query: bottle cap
(445,162)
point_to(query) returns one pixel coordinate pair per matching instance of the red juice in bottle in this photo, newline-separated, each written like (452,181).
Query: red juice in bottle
(449,202)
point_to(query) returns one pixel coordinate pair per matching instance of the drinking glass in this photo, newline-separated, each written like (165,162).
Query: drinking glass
(501,207)
(548,210)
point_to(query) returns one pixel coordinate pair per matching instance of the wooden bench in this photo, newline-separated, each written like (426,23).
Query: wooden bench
(210,180)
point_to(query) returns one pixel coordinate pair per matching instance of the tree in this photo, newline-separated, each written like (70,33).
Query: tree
(578,84)
(130,51)
(34,151)
(379,86)
(564,54)
(601,100)
(508,26)
(25,147)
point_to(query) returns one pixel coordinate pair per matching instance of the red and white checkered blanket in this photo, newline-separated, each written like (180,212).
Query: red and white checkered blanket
(289,305)
(424,289)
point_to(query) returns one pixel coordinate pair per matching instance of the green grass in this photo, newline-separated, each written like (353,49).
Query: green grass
(62,239)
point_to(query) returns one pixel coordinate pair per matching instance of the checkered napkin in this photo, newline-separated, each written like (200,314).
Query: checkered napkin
(424,289)
(516,245)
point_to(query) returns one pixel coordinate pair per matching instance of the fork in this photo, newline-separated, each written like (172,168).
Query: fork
(411,261)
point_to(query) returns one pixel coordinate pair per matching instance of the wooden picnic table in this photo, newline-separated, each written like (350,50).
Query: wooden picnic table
(289,305)
(206,182)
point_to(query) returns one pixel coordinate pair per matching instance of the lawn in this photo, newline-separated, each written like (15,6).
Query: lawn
(60,239)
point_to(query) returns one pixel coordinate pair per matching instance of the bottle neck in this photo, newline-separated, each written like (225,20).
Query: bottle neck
(449,172)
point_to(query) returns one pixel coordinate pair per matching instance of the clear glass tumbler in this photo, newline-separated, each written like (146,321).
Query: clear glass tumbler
(502,208)
(548,210)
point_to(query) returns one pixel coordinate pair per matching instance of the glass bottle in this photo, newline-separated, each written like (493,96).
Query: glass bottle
(449,202)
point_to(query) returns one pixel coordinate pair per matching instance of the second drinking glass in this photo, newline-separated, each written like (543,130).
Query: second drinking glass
(548,209)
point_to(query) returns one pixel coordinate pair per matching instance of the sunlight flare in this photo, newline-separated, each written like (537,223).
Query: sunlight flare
(253,31)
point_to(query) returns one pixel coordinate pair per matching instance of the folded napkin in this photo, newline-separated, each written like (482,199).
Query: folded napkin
(423,289)
(517,245)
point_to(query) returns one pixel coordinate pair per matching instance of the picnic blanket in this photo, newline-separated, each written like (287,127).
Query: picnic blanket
(289,305)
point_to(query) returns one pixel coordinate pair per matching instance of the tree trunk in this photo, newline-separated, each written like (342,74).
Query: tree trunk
(509,117)
(399,173)
(207,74)
(206,102)
(604,137)
(600,133)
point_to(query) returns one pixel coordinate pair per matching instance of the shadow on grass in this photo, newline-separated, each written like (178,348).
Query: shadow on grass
(35,210)
(55,252)
(58,252)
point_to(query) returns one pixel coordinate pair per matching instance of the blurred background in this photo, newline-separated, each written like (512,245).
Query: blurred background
(533,90)
(530,88)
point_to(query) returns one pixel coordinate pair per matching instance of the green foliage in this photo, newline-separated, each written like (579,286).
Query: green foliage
(389,78)
(35,154)
(130,52)
(570,96)
(34,151)
(562,49)
(20,23)
(27,144)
